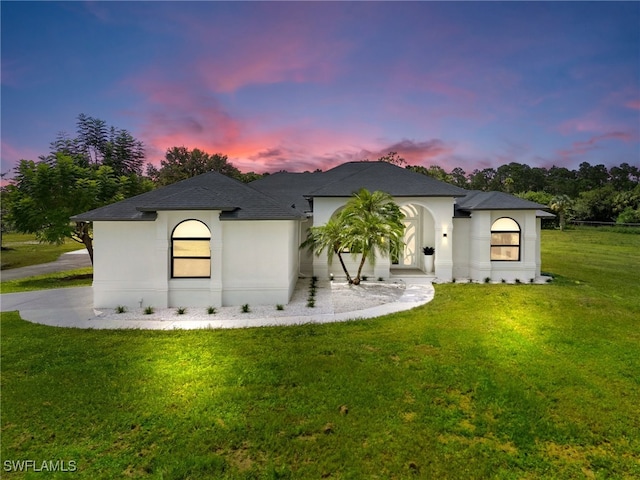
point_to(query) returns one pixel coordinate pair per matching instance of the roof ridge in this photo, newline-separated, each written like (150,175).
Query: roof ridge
(344,177)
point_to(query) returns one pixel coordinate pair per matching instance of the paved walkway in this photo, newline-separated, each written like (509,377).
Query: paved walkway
(66,261)
(72,307)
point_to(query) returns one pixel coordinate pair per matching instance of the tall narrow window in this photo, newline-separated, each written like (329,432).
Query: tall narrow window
(191,250)
(505,240)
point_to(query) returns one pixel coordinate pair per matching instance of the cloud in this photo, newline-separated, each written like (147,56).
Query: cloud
(593,143)
(633,104)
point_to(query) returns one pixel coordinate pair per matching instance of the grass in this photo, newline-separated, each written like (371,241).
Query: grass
(486,381)
(24,250)
(81,277)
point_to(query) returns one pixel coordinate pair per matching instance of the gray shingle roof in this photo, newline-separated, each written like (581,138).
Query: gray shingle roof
(209,191)
(477,200)
(283,196)
(348,178)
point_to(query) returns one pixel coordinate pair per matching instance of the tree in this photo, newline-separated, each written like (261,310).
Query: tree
(369,222)
(561,204)
(393,158)
(98,144)
(181,163)
(45,194)
(372,221)
(330,236)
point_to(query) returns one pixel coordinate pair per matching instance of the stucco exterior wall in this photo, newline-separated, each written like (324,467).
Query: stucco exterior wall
(480,264)
(126,268)
(253,262)
(461,247)
(260,262)
(436,230)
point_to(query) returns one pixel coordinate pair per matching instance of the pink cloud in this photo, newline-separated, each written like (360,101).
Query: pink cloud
(593,143)
(633,104)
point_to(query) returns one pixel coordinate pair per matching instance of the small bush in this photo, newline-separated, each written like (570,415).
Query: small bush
(148,310)
(245,308)
(453,280)
(518,280)
(314,279)
(279,306)
(181,310)
(532,280)
(364,278)
(211,310)
(311,303)
(504,281)
(121,309)
(487,279)
(380,279)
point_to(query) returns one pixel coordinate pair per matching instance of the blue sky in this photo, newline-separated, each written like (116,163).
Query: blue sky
(298,85)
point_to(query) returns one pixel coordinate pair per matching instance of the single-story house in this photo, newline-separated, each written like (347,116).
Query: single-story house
(212,240)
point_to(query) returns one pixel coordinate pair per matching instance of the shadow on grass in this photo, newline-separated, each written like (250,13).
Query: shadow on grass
(82,277)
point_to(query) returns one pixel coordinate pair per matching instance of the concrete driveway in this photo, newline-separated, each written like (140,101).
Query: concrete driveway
(62,307)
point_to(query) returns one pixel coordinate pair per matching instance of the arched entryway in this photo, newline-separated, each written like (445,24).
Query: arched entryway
(419,232)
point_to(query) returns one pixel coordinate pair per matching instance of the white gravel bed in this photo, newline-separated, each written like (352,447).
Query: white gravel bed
(330,297)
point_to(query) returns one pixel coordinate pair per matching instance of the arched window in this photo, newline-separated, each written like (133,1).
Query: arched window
(505,240)
(191,250)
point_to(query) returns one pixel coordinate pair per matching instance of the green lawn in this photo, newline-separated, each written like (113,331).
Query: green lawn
(80,277)
(487,381)
(23,250)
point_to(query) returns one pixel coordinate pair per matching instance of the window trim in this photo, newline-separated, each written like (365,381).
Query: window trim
(519,244)
(197,239)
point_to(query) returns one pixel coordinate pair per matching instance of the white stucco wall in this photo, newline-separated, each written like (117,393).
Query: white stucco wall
(260,261)
(480,264)
(253,262)
(461,247)
(437,230)
(436,223)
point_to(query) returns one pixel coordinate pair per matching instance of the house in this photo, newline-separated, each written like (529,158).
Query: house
(211,240)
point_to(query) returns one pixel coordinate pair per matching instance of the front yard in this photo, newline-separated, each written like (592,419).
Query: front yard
(486,381)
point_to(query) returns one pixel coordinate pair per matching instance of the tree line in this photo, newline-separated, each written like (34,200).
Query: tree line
(590,193)
(103,164)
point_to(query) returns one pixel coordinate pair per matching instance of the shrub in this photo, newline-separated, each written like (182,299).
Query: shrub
(380,279)
(311,303)
(279,306)
(211,310)
(518,280)
(121,309)
(487,279)
(181,310)
(245,308)
(532,280)
(504,281)
(364,278)
(148,310)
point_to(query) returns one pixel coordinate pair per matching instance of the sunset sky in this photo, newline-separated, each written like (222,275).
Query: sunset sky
(300,86)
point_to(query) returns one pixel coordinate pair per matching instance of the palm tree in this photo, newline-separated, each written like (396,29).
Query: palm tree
(330,236)
(372,221)
(561,204)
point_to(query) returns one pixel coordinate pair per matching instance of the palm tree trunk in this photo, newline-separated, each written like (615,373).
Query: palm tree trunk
(344,267)
(356,281)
